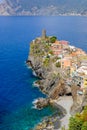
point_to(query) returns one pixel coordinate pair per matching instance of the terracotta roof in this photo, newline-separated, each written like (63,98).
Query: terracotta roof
(64,42)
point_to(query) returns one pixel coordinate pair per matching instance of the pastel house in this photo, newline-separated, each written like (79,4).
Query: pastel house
(66,62)
(84,83)
(80,52)
(72,70)
(56,48)
(64,44)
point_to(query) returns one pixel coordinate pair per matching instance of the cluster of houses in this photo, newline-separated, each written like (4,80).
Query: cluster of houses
(71,58)
(75,59)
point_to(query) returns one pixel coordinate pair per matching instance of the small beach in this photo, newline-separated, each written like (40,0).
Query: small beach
(61,116)
(65,102)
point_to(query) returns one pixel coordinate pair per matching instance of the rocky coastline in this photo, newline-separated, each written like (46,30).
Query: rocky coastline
(52,81)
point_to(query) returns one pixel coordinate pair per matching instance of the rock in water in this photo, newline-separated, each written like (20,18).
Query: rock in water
(41,103)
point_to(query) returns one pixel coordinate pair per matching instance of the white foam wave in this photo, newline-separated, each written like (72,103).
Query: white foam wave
(35,101)
(34,73)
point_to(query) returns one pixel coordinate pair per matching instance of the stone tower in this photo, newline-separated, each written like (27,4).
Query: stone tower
(43,34)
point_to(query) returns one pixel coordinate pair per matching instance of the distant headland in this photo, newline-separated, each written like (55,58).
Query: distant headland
(43,8)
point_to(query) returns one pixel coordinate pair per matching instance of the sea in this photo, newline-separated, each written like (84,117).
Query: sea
(17,91)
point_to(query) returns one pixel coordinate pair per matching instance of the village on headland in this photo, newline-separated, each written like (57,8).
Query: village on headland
(74,60)
(62,70)
(70,58)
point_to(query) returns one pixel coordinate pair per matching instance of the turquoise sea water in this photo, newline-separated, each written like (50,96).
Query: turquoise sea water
(16,89)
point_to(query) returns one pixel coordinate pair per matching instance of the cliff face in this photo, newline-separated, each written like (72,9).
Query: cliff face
(43,64)
(79,101)
(53,79)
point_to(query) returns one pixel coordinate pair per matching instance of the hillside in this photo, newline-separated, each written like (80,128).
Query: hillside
(46,7)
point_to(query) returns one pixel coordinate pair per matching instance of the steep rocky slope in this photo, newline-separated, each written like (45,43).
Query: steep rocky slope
(52,77)
(43,64)
(52,82)
(46,7)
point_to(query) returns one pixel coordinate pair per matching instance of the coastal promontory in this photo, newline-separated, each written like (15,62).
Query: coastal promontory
(61,70)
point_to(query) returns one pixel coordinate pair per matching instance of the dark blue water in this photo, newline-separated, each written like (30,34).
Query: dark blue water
(16,89)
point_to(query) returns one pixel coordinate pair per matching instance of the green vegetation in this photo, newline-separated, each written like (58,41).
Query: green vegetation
(58,64)
(75,123)
(54,59)
(51,52)
(54,75)
(53,39)
(41,48)
(46,62)
(63,128)
(79,121)
(35,50)
(84,127)
(46,47)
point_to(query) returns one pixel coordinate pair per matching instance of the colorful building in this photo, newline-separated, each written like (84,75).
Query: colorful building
(59,46)
(77,52)
(81,81)
(65,44)
(56,48)
(80,52)
(66,62)
(72,70)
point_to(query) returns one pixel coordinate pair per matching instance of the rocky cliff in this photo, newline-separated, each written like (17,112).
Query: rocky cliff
(53,81)
(43,64)
(52,78)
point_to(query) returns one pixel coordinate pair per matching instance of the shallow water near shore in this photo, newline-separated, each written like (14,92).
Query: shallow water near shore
(16,90)
(26,118)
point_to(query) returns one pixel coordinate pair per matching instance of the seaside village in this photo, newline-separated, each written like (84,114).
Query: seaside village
(68,64)
(72,59)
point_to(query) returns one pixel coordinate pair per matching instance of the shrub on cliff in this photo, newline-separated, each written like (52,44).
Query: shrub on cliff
(58,64)
(79,121)
(46,62)
(75,123)
(84,126)
(51,52)
(53,39)
(84,114)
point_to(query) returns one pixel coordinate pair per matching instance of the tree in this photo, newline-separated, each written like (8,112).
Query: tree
(84,114)
(58,64)
(53,39)
(79,121)
(75,123)
(84,126)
